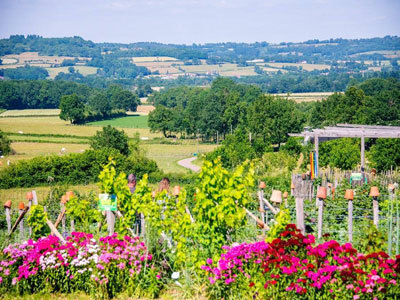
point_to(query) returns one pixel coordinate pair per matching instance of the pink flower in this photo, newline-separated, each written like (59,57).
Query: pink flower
(355,297)
(209,261)
(100,266)
(349,286)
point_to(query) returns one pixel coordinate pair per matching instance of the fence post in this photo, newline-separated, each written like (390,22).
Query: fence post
(300,214)
(391,189)
(21,224)
(110,222)
(321,195)
(7,207)
(29,197)
(262,186)
(34,197)
(349,195)
(374,193)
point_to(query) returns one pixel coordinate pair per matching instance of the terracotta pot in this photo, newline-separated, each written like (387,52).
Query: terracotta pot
(276,196)
(374,191)
(7,204)
(153,194)
(292,186)
(21,206)
(69,194)
(176,191)
(29,196)
(64,199)
(285,194)
(330,185)
(321,194)
(349,195)
(262,185)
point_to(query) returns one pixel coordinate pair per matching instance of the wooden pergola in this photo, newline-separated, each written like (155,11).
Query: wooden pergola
(350,131)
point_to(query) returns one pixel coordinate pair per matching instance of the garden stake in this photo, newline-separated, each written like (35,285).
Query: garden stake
(374,193)
(21,224)
(262,186)
(349,195)
(60,217)
(300,214)
(55,231)
(391,189)
(29,197)
(20,218)
(321,195)
(7,207)
(397,224)
(110,222)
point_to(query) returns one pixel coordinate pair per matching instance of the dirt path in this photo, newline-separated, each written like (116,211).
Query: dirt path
(187,163)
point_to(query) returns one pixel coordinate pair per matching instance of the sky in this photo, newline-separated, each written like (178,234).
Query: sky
(201,21)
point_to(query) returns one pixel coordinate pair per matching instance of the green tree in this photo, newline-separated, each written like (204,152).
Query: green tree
(161,119)
(72,109)
(341,153)
(385,154)
(111,138)
(5,144)
(100,103)
(123,99)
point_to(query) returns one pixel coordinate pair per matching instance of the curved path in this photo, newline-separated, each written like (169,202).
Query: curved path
(187,163)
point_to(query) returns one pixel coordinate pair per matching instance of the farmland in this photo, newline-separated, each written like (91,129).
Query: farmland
(84,70)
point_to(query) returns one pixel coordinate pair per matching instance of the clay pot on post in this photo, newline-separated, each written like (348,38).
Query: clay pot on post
(321,196)
(349,195)
(276,196)
(374,193)
(7,206)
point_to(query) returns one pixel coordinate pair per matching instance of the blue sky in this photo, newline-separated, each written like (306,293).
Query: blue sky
(201,21)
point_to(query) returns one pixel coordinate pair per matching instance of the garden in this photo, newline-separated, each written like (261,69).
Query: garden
(210,239)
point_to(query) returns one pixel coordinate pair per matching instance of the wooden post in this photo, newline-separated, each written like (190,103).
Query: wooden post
(110,222)
(20,218)
(390,241)
(320,216)
(54,230)
(363,158)
(142,226)
(350,221)
(29,208)
(35,199)
(375,207)
(62,206)
(72,227)
(21,225)
(262,211)
(300,214)
(8,216)
(316,142)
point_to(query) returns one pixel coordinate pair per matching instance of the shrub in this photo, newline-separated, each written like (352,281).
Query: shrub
(74,168)
(385,154)
(5,144)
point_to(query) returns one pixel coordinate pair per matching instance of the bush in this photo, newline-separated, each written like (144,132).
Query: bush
(385,154)
(341,153)
(111,138)
(5,143)
(75,168)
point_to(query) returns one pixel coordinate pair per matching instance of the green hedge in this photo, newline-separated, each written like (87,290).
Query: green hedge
(75,168)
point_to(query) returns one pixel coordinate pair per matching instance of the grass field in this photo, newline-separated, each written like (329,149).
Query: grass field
(152,58)
(135,121)
(222,69)
(167,156)
(306,67)
(163,67)
(84,70)
(34,59)
(306,97)
(30,112)
(54,125)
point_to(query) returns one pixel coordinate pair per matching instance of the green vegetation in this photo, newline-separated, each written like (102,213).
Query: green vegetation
(124,122)
(5,144)
(111,138)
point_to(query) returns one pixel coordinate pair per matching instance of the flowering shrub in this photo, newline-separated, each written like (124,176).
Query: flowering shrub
(292,266)
(105,267)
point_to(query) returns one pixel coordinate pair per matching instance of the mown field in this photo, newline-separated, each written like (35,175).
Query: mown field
(38,134)
(84,70)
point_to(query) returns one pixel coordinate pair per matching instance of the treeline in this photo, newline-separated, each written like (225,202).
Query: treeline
(81,103)
(373,102)
(214,112)
(27,72)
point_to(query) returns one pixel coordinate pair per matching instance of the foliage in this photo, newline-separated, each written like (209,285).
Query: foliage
(385,154)
(83,211)
(220,198)
(72,109)
(5,144)
(342,153)
(37,221)
(26,72)
(111,138)
(292,266)
(74,168)
(292,146)
(279,225)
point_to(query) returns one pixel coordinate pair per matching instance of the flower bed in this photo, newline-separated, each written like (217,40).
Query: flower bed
(291,266)
(104,267)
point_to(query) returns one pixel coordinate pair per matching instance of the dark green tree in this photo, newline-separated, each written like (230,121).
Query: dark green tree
(342,153)
(100,104)
(72,109)
(161,119)
(111,138)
